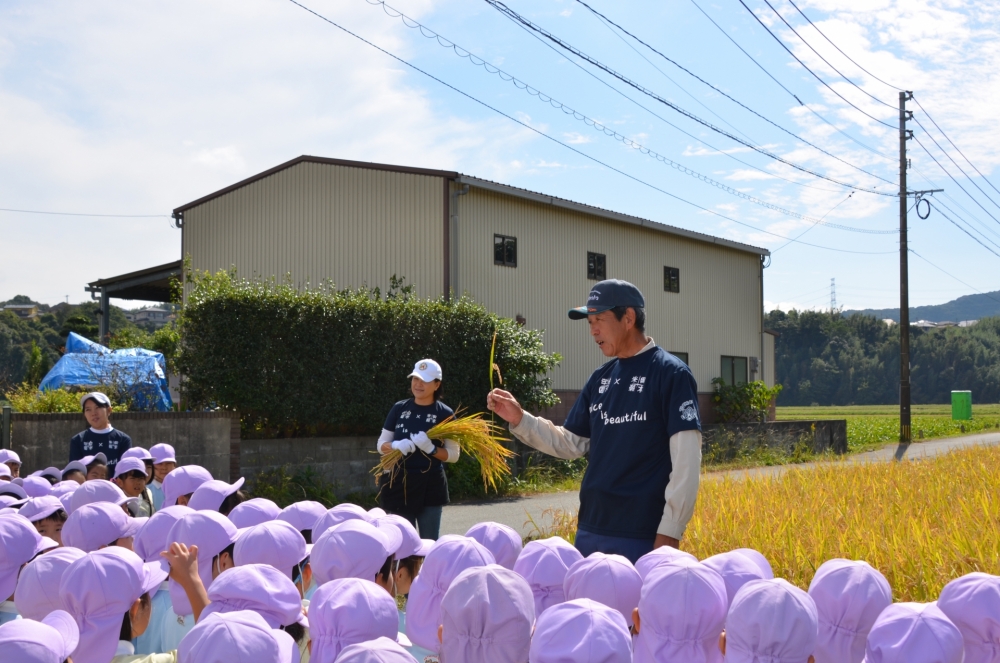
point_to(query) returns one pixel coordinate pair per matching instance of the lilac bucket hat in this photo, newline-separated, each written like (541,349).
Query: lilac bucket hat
(544,564)
(849,597)
(685,626)
(236,637)
(50,640)
(410,542)
(502,541)
(607,579)
(580,631)
(379,650)
(162,453)
(152,538)
(914,633)
(972,603)
(183,480)
(36,486)
(348,611)
(98,590)
(303,515)
(261,588)
(40,508)
(662,555)
(37,592)
(338,514)
(771,620)
(210,495)
(254,512)
(98,490)
(487,615)
(126,465)
(275,543)
(442,565)
(19,543)
(736,569)
(212,532)
(99,524)
(758,559)
(137,452)
(353,549)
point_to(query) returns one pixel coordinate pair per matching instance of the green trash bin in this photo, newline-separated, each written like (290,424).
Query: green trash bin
(961,405)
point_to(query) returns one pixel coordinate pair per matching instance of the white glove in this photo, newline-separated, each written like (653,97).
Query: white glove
(422,442)
(405,447)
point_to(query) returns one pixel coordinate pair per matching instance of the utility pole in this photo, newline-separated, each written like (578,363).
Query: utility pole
(904,286)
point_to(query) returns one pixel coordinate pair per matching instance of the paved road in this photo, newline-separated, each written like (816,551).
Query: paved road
(457,519)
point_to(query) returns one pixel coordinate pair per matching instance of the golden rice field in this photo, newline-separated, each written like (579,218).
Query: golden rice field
(922,523)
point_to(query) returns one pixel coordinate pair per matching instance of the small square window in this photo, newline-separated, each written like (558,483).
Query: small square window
(596,266)
(734,370)
(671,279)
(505,250)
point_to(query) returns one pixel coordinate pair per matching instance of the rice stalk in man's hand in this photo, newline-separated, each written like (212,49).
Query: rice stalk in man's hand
(481,439)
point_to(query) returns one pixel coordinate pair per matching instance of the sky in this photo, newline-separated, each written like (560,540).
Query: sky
(111,108)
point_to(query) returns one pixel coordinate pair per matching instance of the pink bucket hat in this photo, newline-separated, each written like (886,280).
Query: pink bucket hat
(758,559)
(580,631)
(210,495)
(682,611)
(607,579)
(442,565)
(410,542)
(126,465)
(37,592)
(254,512)
(98,590)
(36,486)
(348,611)
(40,508)
(379,650)
(487,614)
(98,490)
(98,524)
(50,640)
(353,549)
(849,597)
(544,564)
(736,569)
(212,532)
(152,538)
(183,480)
(275,543)
(236,637)
(338,514)
(261,588)
(502,541)
(162,453)
(19,543)
(914,633)
(771,620)
(972,603)
(303,515)
(137,452)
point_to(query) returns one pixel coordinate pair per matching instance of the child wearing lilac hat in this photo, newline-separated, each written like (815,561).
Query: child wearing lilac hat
(770,620)
(486,617)
(607,579)
(544,564)
(47,515)
(98,490)
(19,543)
(49,640)
(849,597)
(236,637)
(279,545)
(580,631)
(379,650)
(681,614)
(972,603)
(345,612)
(131,476)
(37,592)
(501,540)
(757,558)
(356,549)
(254,512)
(99,525)
(75,471)
(914,633)
(662,555)
(180,484)
(12,461)
(36,486)
(303,516)
(736,569)
(164,462)
(337,515)
(216,495)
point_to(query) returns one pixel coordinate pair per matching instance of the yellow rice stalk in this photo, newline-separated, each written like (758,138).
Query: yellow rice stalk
(481,439)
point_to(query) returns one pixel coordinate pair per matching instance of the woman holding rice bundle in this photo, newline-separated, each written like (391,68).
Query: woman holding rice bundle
(417,488)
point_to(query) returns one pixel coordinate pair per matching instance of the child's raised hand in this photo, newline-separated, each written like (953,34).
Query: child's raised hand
(183,563)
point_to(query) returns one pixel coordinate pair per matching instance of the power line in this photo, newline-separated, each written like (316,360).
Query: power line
(728,96)
(972,181)
(985,294)
(982,225)
(974,238)
(504,9)
(114,216)
(818,221)
(559,142)
(945,171)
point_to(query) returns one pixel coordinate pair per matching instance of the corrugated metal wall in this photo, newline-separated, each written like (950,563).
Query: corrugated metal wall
(315,221)
(717,311)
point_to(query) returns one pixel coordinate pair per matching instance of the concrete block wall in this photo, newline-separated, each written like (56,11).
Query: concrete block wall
(345,462)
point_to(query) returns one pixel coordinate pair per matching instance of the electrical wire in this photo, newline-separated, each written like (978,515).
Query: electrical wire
(972,181)
(818,221)
(982,225)
(985,294)
(945,171)
(111,216)
(559,142)
(728,96)
(504,9)
(974,238)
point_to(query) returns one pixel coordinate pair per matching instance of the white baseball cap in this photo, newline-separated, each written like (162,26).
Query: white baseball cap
(427,370)
(97,397)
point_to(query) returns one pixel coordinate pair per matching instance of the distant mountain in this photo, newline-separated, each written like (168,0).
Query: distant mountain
(968,307)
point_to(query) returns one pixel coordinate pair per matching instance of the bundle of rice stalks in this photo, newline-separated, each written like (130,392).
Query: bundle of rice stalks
(481,439)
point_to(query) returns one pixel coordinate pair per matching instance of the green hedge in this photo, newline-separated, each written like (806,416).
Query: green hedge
(323,362)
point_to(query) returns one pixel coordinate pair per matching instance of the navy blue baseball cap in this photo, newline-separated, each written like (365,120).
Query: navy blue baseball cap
(607,295)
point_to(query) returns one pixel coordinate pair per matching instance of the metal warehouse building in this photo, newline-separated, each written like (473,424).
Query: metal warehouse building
(524,255)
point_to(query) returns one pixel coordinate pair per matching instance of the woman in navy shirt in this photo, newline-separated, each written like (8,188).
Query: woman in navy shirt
(417,488)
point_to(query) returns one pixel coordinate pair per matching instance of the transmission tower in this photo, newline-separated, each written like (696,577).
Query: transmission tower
(833,295)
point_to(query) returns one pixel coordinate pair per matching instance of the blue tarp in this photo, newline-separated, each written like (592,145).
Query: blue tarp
(140,372)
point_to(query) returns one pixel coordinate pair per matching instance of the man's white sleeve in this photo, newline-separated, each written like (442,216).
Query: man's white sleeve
(548,438)
(682,489)
(386,436)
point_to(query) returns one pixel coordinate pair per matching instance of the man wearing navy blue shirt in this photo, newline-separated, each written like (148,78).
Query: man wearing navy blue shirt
(101,436)
(637,419)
